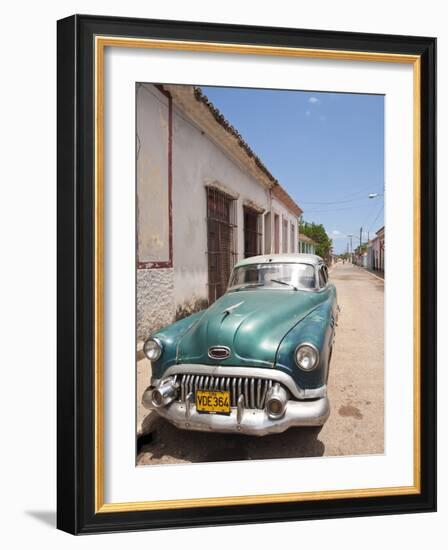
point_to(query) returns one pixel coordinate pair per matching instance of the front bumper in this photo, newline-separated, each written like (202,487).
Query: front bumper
(245,421)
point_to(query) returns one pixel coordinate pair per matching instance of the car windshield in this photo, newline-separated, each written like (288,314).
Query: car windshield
(273,275)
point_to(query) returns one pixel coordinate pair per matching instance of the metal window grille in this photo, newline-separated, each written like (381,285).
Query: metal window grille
(252,232)
(221,241)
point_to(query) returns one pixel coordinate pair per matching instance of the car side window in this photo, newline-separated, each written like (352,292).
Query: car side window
(322,279)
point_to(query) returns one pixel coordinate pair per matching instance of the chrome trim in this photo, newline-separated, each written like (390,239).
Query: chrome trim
(247,372)
(188,403)
(309,344)
(221,348)
(240,409)
(254,422)
(147,398)
(315,393)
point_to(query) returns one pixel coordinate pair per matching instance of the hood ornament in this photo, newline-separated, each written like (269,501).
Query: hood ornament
(230,309)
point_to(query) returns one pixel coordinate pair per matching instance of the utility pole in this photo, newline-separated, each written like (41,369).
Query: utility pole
(360,247)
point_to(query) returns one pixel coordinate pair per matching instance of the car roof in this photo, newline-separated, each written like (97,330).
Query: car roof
(282,258)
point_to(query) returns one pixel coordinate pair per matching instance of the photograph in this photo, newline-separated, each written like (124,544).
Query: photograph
(236,341)
(259,269)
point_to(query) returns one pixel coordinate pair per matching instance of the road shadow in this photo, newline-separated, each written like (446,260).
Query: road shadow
(167,444)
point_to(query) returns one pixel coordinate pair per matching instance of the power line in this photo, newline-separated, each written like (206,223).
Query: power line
(365,224)
(347,198)
(336,202)
(336,209)
(376,217)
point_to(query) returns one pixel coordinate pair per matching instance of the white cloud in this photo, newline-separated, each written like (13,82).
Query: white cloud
(308,113)
(337,234)
(313,99)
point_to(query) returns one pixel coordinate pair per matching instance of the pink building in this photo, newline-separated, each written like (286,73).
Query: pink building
(375,251)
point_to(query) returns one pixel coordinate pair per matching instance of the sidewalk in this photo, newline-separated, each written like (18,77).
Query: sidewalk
(379,274)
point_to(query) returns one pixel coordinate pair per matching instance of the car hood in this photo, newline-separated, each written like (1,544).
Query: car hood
(250,323)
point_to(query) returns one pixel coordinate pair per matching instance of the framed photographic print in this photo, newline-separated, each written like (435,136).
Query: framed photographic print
(246,274)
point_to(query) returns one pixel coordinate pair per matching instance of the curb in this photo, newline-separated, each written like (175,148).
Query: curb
(373,275)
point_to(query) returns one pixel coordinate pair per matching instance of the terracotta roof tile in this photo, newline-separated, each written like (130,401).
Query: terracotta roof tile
(277,189)
(283,196)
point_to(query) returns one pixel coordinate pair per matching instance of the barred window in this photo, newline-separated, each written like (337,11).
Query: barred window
(221,241)
(252,232)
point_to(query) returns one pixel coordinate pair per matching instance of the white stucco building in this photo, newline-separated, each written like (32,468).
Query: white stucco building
(306,245)
(204,201)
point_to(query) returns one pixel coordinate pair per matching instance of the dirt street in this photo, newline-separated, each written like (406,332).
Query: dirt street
(356,392)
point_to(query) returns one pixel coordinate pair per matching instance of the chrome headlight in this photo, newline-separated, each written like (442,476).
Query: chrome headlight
(306,356)
(152,349)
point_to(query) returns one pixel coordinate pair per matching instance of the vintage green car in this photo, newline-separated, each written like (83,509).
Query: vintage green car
(257,360)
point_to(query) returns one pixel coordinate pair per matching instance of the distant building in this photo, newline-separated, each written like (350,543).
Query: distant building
(375,251)
(360,256)
(306,244)
(204,201)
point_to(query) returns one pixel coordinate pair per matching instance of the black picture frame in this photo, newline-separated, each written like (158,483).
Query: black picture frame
(76,272)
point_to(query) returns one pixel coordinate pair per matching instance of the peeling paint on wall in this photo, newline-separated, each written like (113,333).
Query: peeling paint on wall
(155,300)
(190,307)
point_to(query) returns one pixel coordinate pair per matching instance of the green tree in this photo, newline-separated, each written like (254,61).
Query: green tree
(317,232)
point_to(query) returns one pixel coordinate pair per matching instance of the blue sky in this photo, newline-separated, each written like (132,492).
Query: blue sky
(326,149)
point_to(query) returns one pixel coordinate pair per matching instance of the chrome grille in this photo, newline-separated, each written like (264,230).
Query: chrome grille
(254,390)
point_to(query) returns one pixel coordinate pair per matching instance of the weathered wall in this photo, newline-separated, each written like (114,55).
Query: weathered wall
(155,286)
(152,175)
(155,300)
(197,162)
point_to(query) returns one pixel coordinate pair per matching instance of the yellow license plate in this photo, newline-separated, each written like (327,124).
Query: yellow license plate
(213,401)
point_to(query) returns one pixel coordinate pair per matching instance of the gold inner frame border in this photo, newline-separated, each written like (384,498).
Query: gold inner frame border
(101,42)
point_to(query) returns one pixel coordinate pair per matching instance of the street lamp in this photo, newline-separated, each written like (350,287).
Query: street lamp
(375,195)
